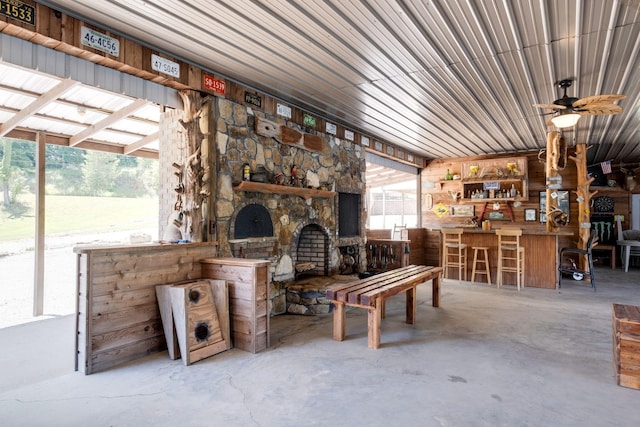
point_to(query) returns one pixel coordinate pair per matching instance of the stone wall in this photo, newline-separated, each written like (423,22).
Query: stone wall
(339,166)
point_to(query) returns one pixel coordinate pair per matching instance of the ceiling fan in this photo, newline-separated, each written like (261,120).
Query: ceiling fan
(569,109)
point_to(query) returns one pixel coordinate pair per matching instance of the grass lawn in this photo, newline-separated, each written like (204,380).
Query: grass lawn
(76,215)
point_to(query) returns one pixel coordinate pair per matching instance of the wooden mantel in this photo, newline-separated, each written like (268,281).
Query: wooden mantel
(260,187)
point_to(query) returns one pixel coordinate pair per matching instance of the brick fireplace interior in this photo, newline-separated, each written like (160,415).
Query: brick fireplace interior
(312,254)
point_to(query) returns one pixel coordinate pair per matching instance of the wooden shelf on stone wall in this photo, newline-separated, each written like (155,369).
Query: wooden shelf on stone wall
(260,187)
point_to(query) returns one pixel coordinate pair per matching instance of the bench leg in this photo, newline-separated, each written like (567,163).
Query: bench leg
(375,318)
(339,319)
(411,305)
(435,291)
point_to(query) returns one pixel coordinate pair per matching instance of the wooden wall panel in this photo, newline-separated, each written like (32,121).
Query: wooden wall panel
(118,315)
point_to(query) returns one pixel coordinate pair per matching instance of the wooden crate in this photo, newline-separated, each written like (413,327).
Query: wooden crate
(248,281)
(626,345)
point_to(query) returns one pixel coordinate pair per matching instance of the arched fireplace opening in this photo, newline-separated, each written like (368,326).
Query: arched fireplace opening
(312,256)
(253,221)
(252,233)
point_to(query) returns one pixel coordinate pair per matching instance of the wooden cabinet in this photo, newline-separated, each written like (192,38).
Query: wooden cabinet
(495,180)
(248,282)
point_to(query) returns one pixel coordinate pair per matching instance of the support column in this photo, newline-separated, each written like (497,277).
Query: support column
(38,269)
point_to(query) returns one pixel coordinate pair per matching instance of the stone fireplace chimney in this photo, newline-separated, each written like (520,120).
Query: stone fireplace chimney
(292,222)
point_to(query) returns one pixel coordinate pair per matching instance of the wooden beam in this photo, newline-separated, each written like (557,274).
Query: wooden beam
(31,109)
(141,143)
(106,122)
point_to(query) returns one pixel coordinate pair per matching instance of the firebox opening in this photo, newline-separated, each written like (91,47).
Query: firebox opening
(313,252)
(253,221)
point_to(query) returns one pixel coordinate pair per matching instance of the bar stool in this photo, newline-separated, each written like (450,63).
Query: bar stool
(484,261)
(454,252)
(511,256)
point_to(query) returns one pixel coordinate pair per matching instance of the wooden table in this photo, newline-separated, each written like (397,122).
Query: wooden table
(370,293)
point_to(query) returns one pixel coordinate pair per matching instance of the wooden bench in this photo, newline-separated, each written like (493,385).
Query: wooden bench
(370,293)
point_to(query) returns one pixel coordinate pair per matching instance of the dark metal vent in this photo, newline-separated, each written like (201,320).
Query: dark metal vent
(253,221)
(348,214)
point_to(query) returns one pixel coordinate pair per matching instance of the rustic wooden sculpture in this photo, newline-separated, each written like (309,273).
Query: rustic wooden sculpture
(195,172)
(584,196)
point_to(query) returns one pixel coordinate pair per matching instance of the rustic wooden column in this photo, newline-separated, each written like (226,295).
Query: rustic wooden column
(195,170)
(551,172)
(584,198)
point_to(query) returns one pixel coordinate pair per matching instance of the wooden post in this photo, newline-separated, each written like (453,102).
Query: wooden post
(551,172)
(196,169)
(584,199)
(38,271)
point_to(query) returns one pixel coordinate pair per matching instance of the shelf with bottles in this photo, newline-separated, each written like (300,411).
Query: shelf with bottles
(495,179)
(496,190)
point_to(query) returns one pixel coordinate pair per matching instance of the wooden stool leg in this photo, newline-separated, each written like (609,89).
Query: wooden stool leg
(486,265)
(411,305)
(374,320)
(499,273)
(522,267)
(339,319)
(475,260)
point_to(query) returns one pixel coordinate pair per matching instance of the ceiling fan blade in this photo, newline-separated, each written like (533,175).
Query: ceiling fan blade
(595,99)
(599,109)
(550,106)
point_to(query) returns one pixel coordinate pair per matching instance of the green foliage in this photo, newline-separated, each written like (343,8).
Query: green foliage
(73,171)
(99,171)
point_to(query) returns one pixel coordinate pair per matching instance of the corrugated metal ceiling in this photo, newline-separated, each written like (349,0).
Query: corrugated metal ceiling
(439,78)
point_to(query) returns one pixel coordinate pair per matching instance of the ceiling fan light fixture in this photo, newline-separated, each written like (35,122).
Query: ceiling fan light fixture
(565,119)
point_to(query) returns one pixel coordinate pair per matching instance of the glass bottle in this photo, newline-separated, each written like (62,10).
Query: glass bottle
(448,176)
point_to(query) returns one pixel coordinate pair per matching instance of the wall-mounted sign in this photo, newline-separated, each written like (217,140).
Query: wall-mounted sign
(99,41)
(349,135)
(284,111)
(440,210)
(216,85)
(165,66)
(492,185)
(18,11)
(251,99)
(309,120)
(331,128)
(364,141)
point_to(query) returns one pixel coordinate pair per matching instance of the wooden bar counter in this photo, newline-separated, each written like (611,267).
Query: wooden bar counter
(541,249)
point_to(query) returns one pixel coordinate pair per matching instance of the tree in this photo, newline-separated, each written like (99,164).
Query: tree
(64,167)
(99,171)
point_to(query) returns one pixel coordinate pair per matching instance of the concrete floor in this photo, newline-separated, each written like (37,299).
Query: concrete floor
(486,357)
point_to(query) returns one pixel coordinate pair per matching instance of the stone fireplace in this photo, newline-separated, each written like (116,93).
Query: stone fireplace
(295,225)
